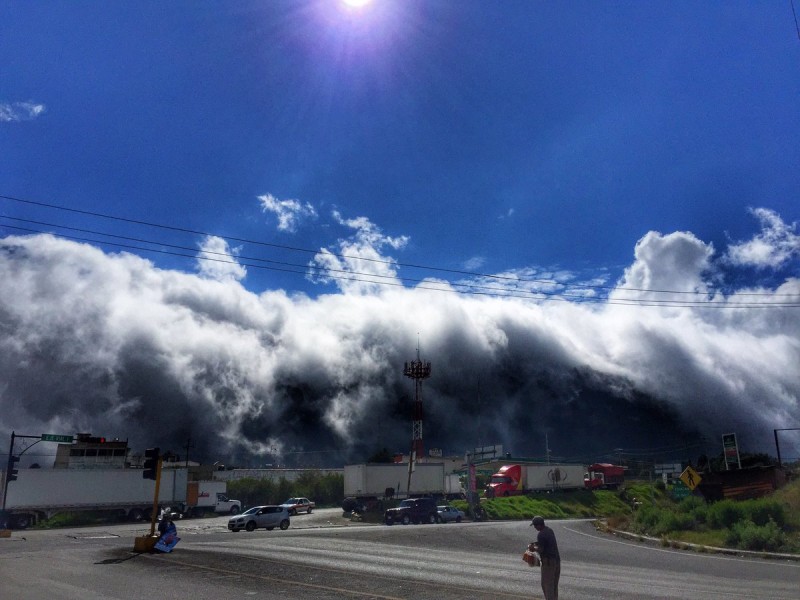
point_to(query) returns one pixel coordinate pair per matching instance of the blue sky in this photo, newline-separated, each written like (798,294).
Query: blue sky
(618,145)
(502,135)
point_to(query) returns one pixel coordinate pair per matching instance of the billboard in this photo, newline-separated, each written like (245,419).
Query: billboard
(730,450)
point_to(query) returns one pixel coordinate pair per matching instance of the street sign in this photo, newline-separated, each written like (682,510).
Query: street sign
(667,468)
(62,439)
(691,478)
(679,491)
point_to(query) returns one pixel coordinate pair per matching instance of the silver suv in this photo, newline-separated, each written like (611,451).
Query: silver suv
(269,517)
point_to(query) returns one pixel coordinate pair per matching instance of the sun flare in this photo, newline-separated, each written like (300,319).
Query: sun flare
(355,3)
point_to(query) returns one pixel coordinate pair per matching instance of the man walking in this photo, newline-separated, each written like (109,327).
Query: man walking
(551,560)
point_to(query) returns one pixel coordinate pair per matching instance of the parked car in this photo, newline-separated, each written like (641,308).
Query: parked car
(268,517)
(450,513)
(412,510)
(294,505)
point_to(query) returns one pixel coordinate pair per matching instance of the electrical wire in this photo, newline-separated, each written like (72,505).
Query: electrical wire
(389,280)
(394,281)
(345,256)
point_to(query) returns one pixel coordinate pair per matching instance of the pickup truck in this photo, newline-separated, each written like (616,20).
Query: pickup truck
(295,505)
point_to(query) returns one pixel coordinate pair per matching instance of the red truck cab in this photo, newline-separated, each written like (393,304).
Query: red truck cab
(604,476)
(506,482)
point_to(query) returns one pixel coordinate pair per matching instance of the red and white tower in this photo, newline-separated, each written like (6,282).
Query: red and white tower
(416,370)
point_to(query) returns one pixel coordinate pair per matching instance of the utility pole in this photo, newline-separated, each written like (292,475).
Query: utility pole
(547,447)
(777,446)
(187,446)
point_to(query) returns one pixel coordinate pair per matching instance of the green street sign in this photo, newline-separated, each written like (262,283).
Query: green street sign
(680,491)
(51,437)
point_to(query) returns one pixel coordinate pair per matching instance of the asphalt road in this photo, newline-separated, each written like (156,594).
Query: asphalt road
(325,556)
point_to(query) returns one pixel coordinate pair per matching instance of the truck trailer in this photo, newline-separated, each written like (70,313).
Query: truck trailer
(208,497)
(511,480)
(604,476)
(368,484)
(41,493)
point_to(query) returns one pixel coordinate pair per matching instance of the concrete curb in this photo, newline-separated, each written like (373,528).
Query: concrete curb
(678,545)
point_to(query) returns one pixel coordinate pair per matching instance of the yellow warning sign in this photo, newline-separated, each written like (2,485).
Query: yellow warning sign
(691,478)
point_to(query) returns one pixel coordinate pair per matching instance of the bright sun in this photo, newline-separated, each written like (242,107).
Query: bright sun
(356,3)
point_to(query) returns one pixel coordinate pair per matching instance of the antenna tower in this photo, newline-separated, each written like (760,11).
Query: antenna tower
(416,370)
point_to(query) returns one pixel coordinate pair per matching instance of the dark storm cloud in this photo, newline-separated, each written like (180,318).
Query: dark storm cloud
(109,344)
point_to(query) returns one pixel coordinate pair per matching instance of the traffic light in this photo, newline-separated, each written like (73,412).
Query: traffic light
(151,456)
(12,472)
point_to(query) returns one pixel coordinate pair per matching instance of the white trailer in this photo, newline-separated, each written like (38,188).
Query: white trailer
(552,477)
(452,486)
(381,480)
(209,496)
(41,493)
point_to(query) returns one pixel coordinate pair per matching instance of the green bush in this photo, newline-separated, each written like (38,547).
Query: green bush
(674,521)
(324,490)
(725,514)
(646,519)
(696,508)
(762,512)
(749,536)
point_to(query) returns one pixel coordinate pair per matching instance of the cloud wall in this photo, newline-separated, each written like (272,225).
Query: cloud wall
(111,344)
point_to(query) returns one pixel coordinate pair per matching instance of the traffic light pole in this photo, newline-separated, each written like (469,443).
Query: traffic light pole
(12,458)
(8,470)
(154,515)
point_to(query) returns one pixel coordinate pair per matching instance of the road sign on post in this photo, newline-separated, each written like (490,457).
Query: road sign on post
(679,491)
(61,439)
(691,478)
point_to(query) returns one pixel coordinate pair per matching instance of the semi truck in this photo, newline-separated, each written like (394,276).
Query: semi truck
(604,476)
(41,493)
(368,484)
(511,480)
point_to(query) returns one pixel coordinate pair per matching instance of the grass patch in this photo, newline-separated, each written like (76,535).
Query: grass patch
(769,524)
(561,505)
(714,538)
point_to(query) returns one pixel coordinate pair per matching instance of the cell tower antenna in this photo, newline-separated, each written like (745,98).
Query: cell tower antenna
(418,371)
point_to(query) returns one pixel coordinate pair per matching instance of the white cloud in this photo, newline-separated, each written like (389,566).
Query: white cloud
(109,343)
(676,262)
(774,245)
(358,265)
(20,111)
(216,260)
(290,213)
(524,282)
(475,263)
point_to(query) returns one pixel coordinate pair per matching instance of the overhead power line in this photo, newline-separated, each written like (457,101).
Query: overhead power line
(502,289)
(342,274)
